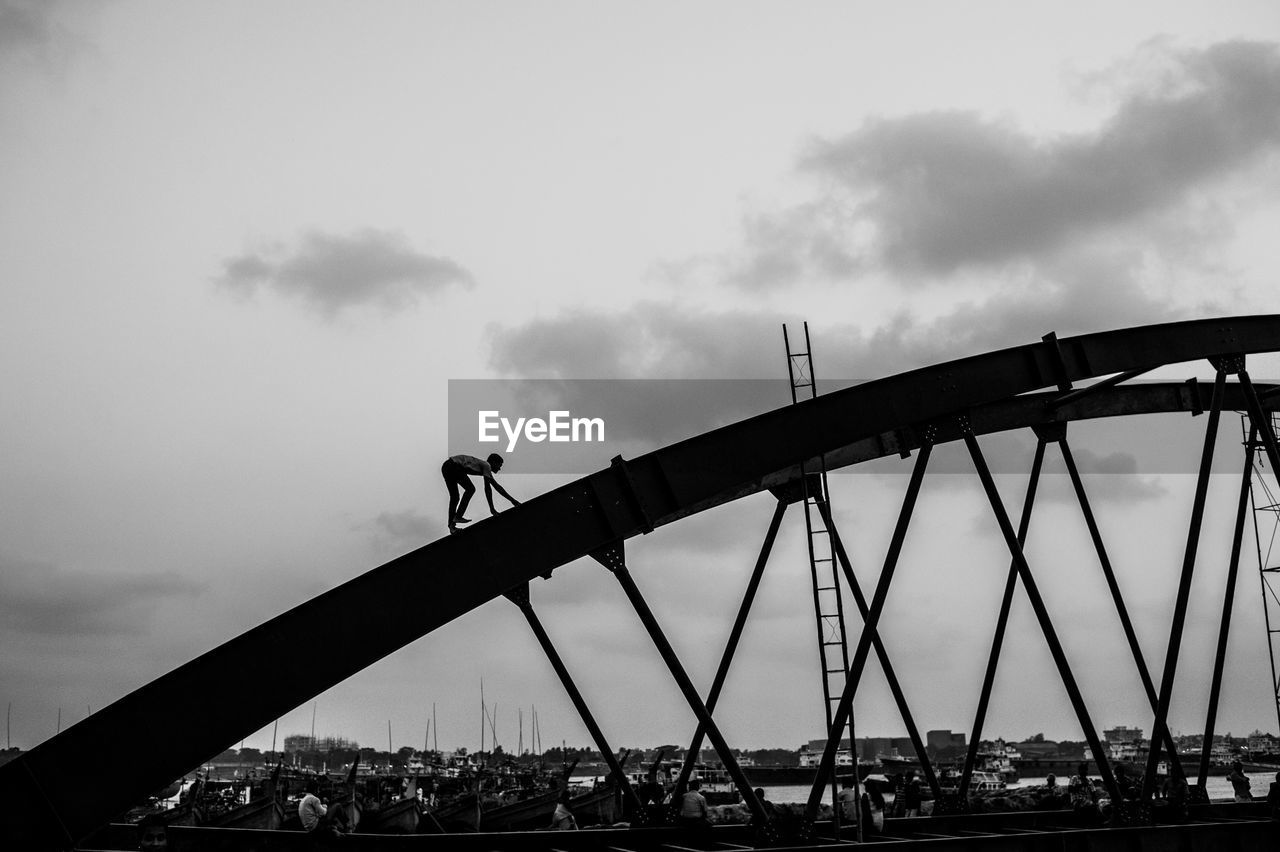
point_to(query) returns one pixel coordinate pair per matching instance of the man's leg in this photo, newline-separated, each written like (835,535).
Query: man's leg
(452,485)
(467,490)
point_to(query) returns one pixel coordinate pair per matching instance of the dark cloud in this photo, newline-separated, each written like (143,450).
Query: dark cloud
(932,193)
(331,272)
(675,343)
(41,598)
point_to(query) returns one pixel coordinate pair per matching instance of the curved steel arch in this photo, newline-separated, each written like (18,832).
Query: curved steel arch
(429,587)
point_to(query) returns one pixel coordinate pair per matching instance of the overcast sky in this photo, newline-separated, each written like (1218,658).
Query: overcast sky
(245,247)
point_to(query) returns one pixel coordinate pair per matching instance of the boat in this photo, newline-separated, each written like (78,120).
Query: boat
(460,814)
(532,812)
(601,806)
(402,816)
(260,813)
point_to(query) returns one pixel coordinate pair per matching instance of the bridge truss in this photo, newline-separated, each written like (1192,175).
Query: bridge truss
(1027,387)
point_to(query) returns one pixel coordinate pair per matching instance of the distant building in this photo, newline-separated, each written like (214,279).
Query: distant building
(943,740)
(811,753)
(1122,735)
(870,747)
(1260,743)
(303,742)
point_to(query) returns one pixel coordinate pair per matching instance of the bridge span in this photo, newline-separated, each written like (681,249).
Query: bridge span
(1034,386)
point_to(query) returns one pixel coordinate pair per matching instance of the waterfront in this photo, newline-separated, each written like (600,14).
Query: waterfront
(1218,787)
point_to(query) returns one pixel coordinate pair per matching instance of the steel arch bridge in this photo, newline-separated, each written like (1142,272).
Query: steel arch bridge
(1026,387)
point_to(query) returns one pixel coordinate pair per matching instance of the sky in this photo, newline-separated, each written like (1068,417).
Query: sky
(246,247)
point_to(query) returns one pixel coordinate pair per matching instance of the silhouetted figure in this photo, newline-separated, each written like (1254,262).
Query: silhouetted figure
(1240,783)
(1083,798)
(457,472)
(153,833)
(311,811)
(1273,798)
(693,809)
(912,794)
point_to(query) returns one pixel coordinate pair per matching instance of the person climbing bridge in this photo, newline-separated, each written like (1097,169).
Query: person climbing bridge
(457,472)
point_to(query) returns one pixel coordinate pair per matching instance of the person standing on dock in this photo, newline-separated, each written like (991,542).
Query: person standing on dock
(457,472)
(912,795)
(1240,783)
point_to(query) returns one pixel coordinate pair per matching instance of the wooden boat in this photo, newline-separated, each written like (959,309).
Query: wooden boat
(260,813)
(533,812)
(597,807)
(461,814)
(399,817)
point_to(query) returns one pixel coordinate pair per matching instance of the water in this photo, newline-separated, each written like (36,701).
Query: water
(1218,787)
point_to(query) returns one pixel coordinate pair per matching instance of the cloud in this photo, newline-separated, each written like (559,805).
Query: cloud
(674,342)
(332,272)
(926,195)
(399,532)
(45,599)
(42,35)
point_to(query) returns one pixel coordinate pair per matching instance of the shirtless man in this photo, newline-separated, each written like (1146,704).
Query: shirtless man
(457,472)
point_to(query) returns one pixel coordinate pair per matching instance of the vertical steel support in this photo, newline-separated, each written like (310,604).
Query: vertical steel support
(1262,423)
(890,675)
(614,559)
(1160,726)
(870,622)
(1144,674)
(731,647)
(1265,588)
(1260,420)
(520,597)
(1228,600)
(1042,615)
(1002,622)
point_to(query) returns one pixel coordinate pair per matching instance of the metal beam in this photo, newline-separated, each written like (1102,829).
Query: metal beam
(1260,420)
(869,626)
(615,561)
(1072,396)
(1144,674)
(1160,726)
(882,654)
(1228,599)
(1002,622)
(731,646)
(1042,615)
(520,597)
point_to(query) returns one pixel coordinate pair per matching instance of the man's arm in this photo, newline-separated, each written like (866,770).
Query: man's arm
(490,482)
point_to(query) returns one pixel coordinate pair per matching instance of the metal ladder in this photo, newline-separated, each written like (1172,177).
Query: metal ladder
(828,600)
